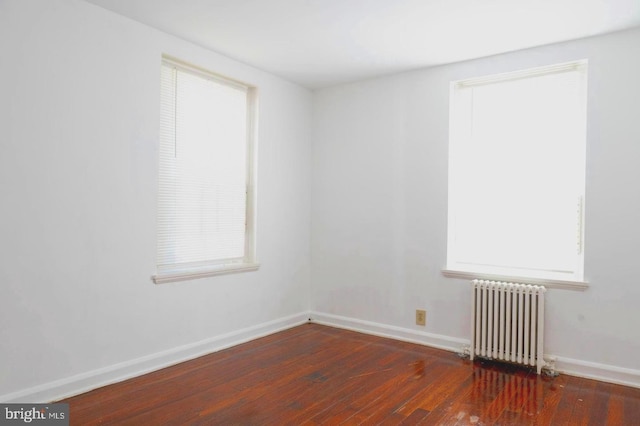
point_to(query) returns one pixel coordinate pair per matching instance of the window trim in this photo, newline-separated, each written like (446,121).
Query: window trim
(175,275)
(248,262)
(552,279)
(547,282)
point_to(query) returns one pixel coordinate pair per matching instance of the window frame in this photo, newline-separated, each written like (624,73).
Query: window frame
(191,271)
(457,269)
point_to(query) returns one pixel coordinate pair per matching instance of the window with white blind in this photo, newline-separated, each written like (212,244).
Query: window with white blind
(517,175)
(206,186)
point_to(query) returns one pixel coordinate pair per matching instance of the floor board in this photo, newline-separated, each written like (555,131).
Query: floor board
(313,374)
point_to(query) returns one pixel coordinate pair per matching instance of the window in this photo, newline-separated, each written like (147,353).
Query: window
(206,186)
(517,175)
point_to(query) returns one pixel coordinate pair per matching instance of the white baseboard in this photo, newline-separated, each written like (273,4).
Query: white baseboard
(383,330)
(597,371)
(572,367)
(85,382)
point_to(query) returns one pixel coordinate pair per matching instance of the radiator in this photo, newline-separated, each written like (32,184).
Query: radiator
(507,322)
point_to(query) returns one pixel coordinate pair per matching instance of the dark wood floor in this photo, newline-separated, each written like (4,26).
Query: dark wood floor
(314,374)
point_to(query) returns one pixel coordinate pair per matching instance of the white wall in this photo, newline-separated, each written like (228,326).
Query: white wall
(379,208)
(79,123)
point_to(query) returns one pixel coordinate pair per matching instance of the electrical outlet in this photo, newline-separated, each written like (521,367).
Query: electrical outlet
(421,317)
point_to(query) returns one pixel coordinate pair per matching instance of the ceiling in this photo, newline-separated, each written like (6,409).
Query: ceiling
(319,43)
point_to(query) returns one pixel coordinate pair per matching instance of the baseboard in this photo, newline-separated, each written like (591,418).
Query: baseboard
(85,382)
(572,367)
(597,371)
(438,341)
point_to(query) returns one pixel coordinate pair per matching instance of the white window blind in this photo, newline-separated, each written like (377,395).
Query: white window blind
(205,171)
(516,173)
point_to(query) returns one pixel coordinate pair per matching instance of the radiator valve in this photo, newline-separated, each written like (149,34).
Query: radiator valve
(549,368)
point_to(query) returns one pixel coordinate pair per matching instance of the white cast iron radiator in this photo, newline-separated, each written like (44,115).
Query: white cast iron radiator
(507,322)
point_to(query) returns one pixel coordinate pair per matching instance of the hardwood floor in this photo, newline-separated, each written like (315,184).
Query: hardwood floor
(314,374)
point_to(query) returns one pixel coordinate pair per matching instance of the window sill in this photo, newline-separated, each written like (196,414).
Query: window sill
(195,273)
(548,283)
